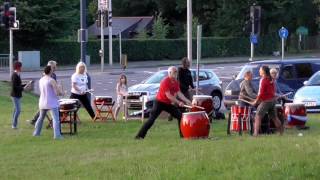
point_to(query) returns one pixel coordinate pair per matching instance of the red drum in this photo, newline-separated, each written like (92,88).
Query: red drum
(68,104)
(103,99)
(245,113)
(195,125)
(203,101)
(295,114)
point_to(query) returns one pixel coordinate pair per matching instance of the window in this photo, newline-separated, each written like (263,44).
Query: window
(202,76)
(304,70)
(287,72)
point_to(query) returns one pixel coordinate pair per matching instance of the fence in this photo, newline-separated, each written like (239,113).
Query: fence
(4,62)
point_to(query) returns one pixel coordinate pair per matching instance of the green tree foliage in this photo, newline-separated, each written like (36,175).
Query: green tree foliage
(46,19)
(159,29)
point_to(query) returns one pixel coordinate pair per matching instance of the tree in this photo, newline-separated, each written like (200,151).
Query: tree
(46,19)
(159,29)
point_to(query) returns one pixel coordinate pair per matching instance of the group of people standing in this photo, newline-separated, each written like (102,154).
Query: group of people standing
(264,100)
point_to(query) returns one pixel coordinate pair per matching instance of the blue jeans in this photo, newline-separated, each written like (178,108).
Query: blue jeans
(55,123)
(16,112)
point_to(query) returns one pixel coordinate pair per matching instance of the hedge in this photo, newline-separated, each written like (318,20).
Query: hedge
(68,52)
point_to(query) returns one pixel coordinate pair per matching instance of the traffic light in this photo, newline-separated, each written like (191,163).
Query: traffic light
(255,17)
(105,19)
(12,17)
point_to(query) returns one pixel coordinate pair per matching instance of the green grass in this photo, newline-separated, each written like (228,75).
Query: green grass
(108,151)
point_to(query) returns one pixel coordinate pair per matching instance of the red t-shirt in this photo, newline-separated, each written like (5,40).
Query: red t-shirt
(266,90)
(167,84)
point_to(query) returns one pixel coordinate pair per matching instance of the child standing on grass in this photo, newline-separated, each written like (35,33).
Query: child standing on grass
(122,90)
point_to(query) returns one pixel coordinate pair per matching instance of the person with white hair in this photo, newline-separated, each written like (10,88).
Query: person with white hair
(53,65)
(79,87)
(168,95)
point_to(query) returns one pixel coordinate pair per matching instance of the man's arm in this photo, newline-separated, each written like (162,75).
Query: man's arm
(183,98)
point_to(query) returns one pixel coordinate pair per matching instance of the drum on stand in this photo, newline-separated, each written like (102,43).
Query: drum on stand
(242,113)
(203,101)
(103,99)
(195,125)
(68,104)
(295,114)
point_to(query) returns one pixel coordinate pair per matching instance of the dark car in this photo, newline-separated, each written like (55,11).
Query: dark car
(292,74)
(209,84)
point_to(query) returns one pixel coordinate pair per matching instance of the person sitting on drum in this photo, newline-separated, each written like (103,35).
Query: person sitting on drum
(122,90)
(266,101)
(247,92)
(79,87)
(167,96)
(48,100)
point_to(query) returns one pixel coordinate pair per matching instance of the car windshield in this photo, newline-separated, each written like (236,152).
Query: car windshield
(315,79)
(156,78)
(254,68)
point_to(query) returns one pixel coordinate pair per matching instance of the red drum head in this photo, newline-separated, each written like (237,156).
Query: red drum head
(203,101)
(295,114)
(244,113)
(195,125)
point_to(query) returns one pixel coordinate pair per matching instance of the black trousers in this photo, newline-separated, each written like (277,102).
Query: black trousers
(85,102)
(157,108)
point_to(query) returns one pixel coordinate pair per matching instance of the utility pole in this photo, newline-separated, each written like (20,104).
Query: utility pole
(83,30)
(11,50)
(110,32)
(102,38)
(189,30)
(252,16)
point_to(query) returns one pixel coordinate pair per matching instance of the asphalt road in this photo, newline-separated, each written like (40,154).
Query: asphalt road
(104,83)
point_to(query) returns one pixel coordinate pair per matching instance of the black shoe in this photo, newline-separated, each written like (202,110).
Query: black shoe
(32,122)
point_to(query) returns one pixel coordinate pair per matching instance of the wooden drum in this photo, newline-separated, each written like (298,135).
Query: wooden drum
(295,114)
(195,125)
(203,101)
(243,113)
(103,100)
(68,104)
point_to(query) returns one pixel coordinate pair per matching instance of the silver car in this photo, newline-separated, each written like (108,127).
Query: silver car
(309,94)
(209,84)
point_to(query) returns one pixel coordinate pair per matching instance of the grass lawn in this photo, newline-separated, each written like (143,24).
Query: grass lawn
(108,151)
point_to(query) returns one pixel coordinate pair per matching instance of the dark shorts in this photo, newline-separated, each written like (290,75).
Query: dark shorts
(267,107)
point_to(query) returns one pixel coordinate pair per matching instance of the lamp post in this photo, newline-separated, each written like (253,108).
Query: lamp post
(189,30)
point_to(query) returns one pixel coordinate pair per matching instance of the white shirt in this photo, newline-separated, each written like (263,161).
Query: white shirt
(80,81)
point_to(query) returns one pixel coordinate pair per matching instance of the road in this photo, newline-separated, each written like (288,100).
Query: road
(104,83)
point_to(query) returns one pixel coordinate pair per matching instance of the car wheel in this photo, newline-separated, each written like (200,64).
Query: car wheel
(217,100)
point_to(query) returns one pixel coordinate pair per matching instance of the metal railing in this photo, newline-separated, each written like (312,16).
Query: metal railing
(4,61)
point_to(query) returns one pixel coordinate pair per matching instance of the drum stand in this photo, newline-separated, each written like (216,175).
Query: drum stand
(103,110)
(133,104)
(69,117)
(240,121)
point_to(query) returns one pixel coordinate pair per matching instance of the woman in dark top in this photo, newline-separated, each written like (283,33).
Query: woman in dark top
(16,92)
(185,78)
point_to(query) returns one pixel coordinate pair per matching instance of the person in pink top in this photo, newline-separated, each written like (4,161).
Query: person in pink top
(266,99)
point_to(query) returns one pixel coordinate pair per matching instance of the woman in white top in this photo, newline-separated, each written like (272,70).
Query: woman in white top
(79,87)
(122,90)
(49,92)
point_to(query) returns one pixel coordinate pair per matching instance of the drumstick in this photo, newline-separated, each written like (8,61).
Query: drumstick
(247,97)
(190,107)
(251,103)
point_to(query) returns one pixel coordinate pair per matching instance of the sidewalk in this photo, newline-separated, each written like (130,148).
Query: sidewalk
(116,68)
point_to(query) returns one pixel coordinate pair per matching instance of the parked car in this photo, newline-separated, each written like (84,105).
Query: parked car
(292,74)
(309,94)
(209,84)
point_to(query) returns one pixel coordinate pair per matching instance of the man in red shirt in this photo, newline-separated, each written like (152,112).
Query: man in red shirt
(166,98)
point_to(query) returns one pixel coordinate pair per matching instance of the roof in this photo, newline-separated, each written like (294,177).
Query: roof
(121,24)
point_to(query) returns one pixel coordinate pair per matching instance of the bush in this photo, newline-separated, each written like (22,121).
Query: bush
(68,52)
